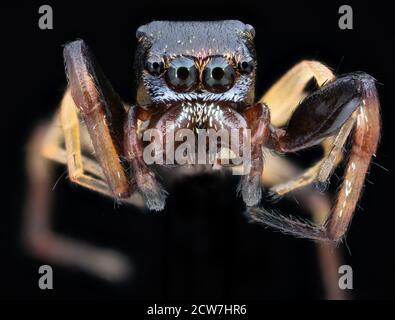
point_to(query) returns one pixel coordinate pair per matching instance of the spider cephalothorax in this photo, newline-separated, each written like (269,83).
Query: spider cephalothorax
(195,61)
(197,75)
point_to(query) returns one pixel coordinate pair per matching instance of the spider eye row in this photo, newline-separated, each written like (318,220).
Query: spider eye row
(182,74)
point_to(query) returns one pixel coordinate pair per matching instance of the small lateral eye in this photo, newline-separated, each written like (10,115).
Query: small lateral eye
(246,66)
(181,74)
(155,67)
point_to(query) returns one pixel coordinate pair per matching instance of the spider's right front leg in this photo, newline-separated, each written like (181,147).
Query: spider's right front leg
(320,115)
(282,99)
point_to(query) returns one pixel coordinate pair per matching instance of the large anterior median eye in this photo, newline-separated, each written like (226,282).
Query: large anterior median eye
(182,74)
(218,75)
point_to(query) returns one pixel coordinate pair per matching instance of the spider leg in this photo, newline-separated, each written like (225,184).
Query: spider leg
(282,99)
(53,148)
(103,114)
(284,96)
(320,171)
(113,131)
(38,237)
(277,170)
(64,141)
(71,130)
(65,128)
(320,115)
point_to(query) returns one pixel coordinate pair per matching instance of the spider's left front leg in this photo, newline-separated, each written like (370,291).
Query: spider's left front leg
(104,115)
(321,115)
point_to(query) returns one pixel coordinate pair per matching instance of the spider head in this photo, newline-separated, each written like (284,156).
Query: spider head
(180,62)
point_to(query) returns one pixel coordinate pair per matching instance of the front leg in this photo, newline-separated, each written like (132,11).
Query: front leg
(319,116)
(323,113)
(103,114)
(153,193)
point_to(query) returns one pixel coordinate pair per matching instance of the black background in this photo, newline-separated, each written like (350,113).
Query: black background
(201,246)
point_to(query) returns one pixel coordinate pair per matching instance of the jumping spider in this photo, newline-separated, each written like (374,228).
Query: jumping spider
(198,64)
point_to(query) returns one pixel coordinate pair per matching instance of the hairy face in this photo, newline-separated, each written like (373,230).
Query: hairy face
(196,62)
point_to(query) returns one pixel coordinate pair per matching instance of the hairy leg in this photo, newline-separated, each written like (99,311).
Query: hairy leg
(282,99)
(321,171)
(66,142)
(277,170)
(103,114)
(71,129)
(321,115)
(113,132)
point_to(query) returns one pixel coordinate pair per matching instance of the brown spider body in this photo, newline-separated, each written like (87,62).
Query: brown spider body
(201,75)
